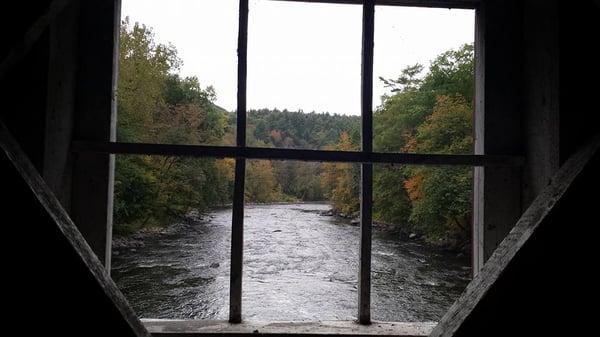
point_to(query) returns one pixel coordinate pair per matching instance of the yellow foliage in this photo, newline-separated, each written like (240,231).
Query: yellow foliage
(261,184)
(227,168)
(338,178)
(414,186)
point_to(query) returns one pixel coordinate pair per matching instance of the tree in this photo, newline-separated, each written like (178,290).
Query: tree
(390,199)
(341,179)
(398,117)
(156,105)
(261,185)
(441,197)
(428,113)
(144,67)
(448,129)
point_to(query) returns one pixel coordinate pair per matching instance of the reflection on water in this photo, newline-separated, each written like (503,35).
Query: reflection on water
(298,265)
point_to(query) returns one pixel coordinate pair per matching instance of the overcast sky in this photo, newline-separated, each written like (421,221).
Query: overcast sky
(300,56)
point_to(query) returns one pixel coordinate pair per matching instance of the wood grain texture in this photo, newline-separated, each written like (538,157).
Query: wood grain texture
(181,328)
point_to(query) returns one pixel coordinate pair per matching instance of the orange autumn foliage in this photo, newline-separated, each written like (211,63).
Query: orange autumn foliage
(414,186)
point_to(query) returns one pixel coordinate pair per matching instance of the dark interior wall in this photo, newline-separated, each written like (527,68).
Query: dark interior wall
(540,120)
(17,17)
(23,88)
(46,283)
(580,73)
(549,288)
(500,85)
(62,91)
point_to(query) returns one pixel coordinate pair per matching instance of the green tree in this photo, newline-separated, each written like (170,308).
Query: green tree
(390,200)
(261,185)
(442,195)
(144,68)
(429,113)
(398,117)
(426,111)
(156,105)
(340,180)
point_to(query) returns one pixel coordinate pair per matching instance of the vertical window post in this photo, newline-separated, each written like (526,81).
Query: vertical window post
(366,195)
(477,238)
(237,229)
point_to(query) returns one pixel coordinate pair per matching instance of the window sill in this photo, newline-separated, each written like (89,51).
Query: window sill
(161,327)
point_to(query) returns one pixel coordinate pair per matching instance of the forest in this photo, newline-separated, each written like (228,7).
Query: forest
(428,110)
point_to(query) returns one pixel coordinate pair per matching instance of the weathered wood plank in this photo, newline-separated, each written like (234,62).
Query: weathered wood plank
(237,229)
(514,241)
(478,221)
(498,123)
(366,231)
(181,328)
(366,179)
(237,244)
(542,94)
(95,120)
(467,4)
(55,211)
(19,51)
(60,111)
(296,154)
(242,74)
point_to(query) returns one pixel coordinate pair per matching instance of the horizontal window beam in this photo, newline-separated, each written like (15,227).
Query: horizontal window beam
(296,154)
(465,4)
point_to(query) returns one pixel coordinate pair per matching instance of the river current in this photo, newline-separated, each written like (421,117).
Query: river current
(298,266)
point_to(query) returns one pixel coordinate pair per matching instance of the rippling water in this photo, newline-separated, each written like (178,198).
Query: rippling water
(298,266)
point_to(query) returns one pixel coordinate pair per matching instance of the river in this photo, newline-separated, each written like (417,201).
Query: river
(298,266)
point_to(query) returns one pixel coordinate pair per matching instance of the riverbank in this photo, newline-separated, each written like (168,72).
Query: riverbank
(136,240)
(405,234)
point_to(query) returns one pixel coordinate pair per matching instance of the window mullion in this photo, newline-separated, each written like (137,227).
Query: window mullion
(237,228)
(366,197)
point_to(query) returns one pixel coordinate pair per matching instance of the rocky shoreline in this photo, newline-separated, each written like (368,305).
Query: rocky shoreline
(448,245)
(136,240)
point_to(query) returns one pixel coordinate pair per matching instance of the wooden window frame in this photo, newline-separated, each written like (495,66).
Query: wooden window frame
(366,157)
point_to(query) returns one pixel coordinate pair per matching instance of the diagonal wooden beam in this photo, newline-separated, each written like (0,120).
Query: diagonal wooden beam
(20,50)
(59,216)
(527,225)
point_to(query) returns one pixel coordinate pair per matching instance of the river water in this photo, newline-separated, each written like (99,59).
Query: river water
(298,266)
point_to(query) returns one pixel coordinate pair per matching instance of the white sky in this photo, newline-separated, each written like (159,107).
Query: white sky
(300,56)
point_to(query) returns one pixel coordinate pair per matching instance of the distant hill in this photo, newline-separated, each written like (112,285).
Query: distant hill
(297,129)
